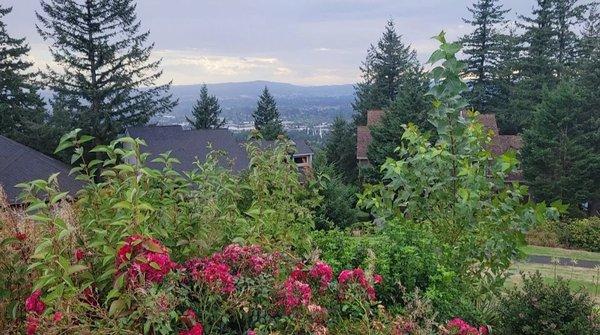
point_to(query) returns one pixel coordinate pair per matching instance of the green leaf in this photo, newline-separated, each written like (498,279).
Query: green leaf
(76,268)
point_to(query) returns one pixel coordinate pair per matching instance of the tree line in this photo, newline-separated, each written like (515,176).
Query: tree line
(103,79)
(539,74)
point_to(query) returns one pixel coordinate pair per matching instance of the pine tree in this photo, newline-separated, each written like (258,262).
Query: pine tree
(206,112)
(383,73)
(589,81)
(559,161)
(340,149)
(538,67)
(505,79)
(567,14)
(22,113)
(266,117)
(483,50)
(107,81)
(410,106)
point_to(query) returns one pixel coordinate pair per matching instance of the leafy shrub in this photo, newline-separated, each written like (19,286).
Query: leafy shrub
(545,235)
(455,191)
(581,234)
(540,308)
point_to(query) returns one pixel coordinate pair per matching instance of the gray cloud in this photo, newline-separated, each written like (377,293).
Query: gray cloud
(297,41)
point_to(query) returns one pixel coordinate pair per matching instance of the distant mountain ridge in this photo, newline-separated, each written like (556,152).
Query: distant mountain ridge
(252,89)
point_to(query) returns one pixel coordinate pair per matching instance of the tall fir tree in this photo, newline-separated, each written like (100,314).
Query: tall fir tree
(567,15)
(340,149)
(537,67)
(559,161)
(505,79)
(22,113)
(107,81)
(266,116)
(483,50)
(383,73)
(206,112)
(589,81)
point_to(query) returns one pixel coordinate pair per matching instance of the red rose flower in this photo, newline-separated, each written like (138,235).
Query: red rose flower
(34,304)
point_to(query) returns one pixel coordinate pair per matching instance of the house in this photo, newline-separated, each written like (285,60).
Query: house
(364,138)
(19,164)
(189,146)
(499,144)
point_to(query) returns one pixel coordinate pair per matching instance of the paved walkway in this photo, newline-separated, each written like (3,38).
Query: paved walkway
(562,261)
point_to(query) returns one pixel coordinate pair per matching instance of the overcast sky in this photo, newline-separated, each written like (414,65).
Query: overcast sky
(308,42)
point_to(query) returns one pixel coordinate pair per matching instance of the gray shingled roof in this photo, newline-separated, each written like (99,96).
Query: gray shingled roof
(189,146)
(19,163)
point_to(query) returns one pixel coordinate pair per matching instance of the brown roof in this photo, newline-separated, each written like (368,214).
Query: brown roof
(489,122)
(500,143)
(503,143)
(374,116)
(363,139)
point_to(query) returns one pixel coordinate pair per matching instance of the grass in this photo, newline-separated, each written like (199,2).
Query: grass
(564,253)
(579,278)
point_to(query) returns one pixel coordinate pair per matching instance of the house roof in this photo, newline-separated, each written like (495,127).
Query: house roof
(189,146)
(500,143)
(374,116)
(489,122)
(363,139)
(503,143)
(19,163)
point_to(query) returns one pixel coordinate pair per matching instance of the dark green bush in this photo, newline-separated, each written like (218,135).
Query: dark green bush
(538,308)
(407,257)
(581,234)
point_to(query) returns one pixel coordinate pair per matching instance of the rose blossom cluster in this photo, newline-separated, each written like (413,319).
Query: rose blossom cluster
(34,307)
(297,291)
(193,326)
(459,326)
(220,270)
(143,257)
(357,276)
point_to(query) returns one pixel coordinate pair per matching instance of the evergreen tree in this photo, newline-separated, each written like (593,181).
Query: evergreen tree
(22,113)
(206,112)
(107,81)
(483,50)
(589,81)
(550,46)
(505,79)
(410,106)
(266,116)
(559,161)
(383,73)
(537,68)
(568,15)
(340,149)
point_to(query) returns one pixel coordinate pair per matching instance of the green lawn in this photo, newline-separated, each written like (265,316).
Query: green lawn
(579,278)
(565,253)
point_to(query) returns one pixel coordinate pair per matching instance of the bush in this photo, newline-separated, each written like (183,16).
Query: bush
(581,234)
(544,235)
(540,308)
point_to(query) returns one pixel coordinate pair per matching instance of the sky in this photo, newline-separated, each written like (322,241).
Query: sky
(305,42)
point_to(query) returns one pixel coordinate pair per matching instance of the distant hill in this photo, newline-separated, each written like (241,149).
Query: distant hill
(252,89)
